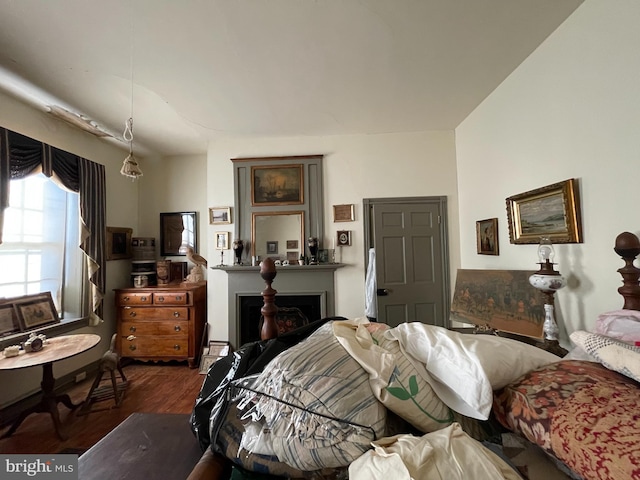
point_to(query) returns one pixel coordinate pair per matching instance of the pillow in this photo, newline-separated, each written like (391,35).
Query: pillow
(467,368)
(621,324)
(613,354)
(395,380)
(316,401)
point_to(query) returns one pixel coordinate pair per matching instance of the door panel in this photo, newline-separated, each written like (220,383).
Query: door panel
(411,264)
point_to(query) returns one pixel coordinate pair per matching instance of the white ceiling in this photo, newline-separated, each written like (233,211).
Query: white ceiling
(201,69)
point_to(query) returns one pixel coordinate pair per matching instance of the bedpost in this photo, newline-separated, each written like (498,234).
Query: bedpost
(269,328)
(628,247)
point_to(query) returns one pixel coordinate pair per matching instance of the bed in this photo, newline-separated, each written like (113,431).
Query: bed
(346,398)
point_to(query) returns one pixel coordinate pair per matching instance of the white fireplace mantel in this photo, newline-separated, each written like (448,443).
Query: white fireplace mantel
(289,280)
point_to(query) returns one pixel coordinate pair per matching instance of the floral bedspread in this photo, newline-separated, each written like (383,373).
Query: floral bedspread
(582,413)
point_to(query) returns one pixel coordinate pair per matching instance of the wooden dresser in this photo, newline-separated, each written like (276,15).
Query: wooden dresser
(162,323)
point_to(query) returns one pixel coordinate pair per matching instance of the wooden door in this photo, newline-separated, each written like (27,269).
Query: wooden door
(409,238)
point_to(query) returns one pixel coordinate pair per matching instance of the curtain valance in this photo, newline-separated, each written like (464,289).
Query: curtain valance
(21,156)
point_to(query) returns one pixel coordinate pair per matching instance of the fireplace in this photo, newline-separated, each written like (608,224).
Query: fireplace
(250,306)
(308,287)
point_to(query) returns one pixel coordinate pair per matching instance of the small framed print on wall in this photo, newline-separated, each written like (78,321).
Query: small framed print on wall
(222,240)
(343,213)
(487,236)
(119,243)
(343,238)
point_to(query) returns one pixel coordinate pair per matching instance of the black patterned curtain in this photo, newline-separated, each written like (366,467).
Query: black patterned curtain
(21,156)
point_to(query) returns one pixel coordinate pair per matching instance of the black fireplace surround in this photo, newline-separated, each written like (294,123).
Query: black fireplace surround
(250,306)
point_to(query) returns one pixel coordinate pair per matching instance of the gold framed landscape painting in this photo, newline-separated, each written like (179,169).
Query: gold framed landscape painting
(552,211)
(277,185)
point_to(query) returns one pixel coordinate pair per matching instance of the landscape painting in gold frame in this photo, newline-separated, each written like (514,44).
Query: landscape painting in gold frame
(277,185)
(552,211)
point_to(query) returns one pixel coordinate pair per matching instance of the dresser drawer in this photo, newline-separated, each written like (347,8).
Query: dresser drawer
(156,346)
(153,313)
(142,298)
(176,328)
(170,298)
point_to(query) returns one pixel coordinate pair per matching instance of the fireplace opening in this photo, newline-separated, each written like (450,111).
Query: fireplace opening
(250,306)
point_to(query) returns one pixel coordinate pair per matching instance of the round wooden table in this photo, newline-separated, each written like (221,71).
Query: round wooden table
(55,349)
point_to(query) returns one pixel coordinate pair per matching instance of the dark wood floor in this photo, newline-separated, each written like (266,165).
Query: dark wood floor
(153,388)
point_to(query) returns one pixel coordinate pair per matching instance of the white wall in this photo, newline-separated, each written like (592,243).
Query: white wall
(174,184)
(570,110)
(355,167)
(122,211)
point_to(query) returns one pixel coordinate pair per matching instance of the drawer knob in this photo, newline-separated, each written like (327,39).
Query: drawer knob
(144,299)
(176,314)
(177,328)
(176,347)
(131,337)
(160,299)
(132,347)
(132,313)
(178,298)
(132,329)
(125,299)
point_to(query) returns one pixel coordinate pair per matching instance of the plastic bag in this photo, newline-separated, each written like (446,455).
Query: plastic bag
(620,324)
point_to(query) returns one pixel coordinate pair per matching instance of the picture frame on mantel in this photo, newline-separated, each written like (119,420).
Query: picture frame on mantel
(552,211)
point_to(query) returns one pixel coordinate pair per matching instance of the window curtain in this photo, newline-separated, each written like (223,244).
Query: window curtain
(21,156)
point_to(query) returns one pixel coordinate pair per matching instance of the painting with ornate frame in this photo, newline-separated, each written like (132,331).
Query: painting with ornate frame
(552,211)
(219,215)
(35,310)
(119,243)
(277,185)
(487,236)
(502,300)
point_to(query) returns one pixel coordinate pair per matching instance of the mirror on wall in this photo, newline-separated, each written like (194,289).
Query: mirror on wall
(177,232)
(278,235)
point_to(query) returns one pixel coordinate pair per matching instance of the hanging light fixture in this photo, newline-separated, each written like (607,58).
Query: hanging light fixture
(130,167)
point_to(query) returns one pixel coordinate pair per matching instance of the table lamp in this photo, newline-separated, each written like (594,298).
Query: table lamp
(548,281)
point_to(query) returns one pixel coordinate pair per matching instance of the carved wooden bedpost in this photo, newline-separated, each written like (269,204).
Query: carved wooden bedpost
(269,328)
(628,247)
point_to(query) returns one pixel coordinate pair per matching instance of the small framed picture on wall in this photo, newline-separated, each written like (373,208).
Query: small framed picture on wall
(487,236)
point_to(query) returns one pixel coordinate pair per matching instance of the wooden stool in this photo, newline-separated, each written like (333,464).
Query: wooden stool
(110,362)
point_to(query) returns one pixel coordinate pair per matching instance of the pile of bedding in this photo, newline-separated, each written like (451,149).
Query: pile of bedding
(327,401)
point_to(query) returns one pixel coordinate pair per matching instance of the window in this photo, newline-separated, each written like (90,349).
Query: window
(40,251)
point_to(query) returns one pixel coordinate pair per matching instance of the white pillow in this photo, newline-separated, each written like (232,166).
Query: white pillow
(467,368)
(401,385)
(610,352)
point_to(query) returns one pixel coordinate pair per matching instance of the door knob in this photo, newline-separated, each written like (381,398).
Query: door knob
(382,292)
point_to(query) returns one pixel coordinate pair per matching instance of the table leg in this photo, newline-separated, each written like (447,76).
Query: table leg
(48,404)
